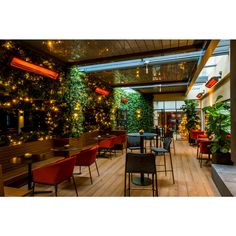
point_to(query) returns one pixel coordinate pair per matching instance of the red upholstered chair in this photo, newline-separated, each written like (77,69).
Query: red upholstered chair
(194,134)
(87,158)
(204,149)
(55,173)
(200,136)
(107,145)
(120,141)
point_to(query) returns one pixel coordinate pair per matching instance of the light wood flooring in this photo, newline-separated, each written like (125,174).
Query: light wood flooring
(190,179)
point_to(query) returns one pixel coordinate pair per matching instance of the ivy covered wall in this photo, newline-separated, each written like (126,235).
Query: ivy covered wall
(65,107)
(139,108)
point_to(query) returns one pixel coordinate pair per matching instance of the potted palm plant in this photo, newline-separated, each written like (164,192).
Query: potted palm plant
(219,126)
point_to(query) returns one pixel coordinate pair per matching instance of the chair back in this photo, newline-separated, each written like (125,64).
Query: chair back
(65,168)
(86,157)
(205,147)
(120,139)
(194,133)
(140,163)
(107,143)
(166,143)
(169,134)
(133,141)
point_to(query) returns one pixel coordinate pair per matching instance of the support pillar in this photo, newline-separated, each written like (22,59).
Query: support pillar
(233,98)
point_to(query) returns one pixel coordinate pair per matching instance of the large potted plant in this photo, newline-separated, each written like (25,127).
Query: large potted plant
(219,127)
(193,120)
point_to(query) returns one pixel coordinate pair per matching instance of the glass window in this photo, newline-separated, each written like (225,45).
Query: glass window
(159,105)
(179,104)
(170,105)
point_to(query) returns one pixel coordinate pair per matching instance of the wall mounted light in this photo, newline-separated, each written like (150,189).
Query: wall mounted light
(102,91)
(199,95)
(30,67)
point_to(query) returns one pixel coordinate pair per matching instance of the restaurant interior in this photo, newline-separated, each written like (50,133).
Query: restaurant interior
(116,118)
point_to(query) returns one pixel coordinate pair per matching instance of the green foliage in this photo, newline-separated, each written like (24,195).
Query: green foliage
(190,109)
(219,125)
(138,104)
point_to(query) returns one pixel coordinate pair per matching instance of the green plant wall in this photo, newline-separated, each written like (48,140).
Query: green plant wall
(139,108)
(65,107)
(40,97)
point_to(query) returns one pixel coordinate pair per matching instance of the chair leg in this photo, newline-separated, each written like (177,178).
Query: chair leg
(156,184)
(33,188)
(97,167)
(129,185)
(173,144)
(172,169)
(75,185)
(200,159)
(125,185)
(56,190)
(153,185)
(165,163)
(90,175)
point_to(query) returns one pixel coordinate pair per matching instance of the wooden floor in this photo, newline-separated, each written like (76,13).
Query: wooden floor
(190,179)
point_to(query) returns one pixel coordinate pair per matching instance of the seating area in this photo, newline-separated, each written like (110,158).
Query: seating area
(82,123)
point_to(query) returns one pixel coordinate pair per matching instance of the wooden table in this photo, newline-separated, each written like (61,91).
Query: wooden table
(66,150)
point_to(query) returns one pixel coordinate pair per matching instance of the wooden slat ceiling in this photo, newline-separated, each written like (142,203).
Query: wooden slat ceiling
(90,52)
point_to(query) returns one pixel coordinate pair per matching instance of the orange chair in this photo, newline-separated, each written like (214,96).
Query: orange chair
(205,149)
(55,173)
(87,158)
(107,145)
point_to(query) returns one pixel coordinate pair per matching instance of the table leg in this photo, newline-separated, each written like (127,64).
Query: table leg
(29,175)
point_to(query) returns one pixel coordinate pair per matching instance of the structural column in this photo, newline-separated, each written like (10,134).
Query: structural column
(233,98)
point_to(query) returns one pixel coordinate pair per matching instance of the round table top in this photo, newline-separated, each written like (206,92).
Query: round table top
(142,135)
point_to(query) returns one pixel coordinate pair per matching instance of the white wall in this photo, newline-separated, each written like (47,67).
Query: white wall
(222,89)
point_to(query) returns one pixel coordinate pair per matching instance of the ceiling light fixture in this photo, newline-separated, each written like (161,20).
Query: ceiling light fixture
(27,66)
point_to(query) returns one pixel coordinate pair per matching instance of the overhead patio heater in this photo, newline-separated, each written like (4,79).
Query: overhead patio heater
(102,91)
(30,67)
(199,95)
(212,81)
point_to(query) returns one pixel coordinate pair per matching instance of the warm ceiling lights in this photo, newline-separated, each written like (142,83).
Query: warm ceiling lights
(27,66)
(212,81)
(102,91)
